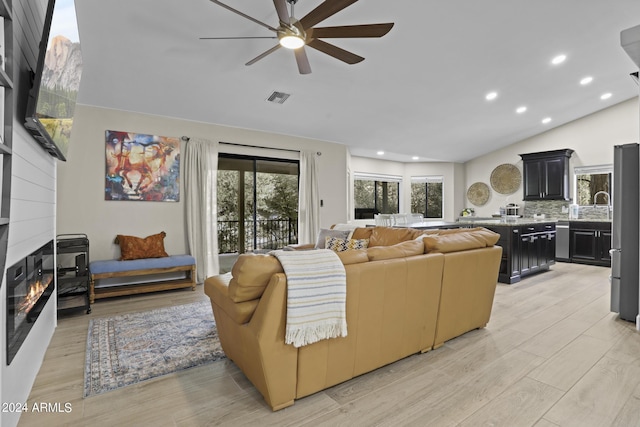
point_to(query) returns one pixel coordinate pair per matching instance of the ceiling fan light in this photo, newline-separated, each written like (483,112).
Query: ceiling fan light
(291,42)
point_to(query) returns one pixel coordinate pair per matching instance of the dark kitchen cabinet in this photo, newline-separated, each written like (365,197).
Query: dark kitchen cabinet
(548,251)
(510,262)
(528,254)
(546,175)
(537,248)
(590,242)
(526,249)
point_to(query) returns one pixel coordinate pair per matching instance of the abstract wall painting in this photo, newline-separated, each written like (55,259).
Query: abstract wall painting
(142,167)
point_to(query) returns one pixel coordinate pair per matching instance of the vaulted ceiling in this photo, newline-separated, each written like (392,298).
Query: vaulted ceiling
(419,92)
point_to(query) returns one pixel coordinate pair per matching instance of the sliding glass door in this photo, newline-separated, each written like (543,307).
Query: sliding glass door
(257,203)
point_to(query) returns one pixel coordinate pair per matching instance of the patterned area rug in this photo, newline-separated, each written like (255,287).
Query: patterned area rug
(130,348)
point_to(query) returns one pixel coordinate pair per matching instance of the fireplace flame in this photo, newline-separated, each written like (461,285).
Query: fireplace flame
(36,289)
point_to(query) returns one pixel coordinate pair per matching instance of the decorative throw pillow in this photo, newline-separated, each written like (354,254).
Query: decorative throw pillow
(345,227)
(132,247)
(338,245)
(325,232)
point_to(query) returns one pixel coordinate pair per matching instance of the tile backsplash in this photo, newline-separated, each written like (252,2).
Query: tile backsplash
(558,209)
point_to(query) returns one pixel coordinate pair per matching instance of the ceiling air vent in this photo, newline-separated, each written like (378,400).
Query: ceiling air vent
(278,97)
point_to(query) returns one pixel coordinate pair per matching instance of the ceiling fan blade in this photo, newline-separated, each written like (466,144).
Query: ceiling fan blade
(244,15)
(262,55)
(370,30)
(303,62)
(323,11)
(335,51)
(281,8)
(234,38)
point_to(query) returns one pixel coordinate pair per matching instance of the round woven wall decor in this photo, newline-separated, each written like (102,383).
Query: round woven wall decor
(478,193)
(506,179)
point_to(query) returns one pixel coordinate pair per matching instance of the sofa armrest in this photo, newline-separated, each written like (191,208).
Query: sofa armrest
(257,345)
(217,288)
(273,365)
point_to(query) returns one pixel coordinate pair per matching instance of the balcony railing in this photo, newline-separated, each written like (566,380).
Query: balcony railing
(267,234)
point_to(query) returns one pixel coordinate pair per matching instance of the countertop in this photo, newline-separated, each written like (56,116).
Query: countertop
(507,222)
(492,222)
(523,221)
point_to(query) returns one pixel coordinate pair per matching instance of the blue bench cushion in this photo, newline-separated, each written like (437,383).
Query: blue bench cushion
(112,266)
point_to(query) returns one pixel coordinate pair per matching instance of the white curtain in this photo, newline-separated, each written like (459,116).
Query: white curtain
(201,171)
(308,200)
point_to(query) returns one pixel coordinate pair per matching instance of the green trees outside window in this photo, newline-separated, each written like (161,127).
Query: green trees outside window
(257,203)
(426,196)
(373,197)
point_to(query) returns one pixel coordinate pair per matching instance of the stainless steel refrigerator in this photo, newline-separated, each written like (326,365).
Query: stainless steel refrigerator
(625,233)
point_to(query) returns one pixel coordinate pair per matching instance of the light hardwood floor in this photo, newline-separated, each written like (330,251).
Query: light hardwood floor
(551,355)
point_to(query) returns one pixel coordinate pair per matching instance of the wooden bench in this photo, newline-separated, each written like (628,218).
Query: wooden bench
(141,267)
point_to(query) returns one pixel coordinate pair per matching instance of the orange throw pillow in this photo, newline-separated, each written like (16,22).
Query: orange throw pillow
(132,247)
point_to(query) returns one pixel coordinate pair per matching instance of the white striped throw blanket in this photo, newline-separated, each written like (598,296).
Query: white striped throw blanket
(316,295)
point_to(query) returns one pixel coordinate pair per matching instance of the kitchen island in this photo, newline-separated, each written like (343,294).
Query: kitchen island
(528,245)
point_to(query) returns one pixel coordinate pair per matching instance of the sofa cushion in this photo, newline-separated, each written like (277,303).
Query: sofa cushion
(355,256)
(339,245)
(460,241)
(362,233)
(324,233)
(399,250)
(251,274)
(388,236)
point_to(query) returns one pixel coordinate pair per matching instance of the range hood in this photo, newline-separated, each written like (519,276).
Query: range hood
(630,42)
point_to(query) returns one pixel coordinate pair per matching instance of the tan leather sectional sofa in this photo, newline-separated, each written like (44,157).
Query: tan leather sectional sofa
(407,293)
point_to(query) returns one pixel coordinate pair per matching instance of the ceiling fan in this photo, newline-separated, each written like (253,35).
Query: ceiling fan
(296,34)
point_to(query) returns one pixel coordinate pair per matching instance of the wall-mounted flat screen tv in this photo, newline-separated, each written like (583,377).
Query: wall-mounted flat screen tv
(52,98)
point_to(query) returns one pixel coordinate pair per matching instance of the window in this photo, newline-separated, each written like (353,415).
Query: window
(375,194)
(426,196)
(257,201)
(591,181)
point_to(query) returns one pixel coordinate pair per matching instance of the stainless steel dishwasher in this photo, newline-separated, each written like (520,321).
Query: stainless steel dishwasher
(562,241)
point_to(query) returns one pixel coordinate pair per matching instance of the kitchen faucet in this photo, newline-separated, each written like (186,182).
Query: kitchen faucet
(595,201)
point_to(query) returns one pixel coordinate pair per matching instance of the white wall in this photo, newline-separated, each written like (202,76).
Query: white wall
(452,173)
(592,137)
(81,205)
(32,222)
(32,218)
(82,208)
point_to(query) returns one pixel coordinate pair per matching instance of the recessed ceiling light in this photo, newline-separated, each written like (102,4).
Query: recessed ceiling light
(380,153)
(491,96)
(521,110)
(605,96)
(558,59)
(415,158)
(546,120)
(586,80)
